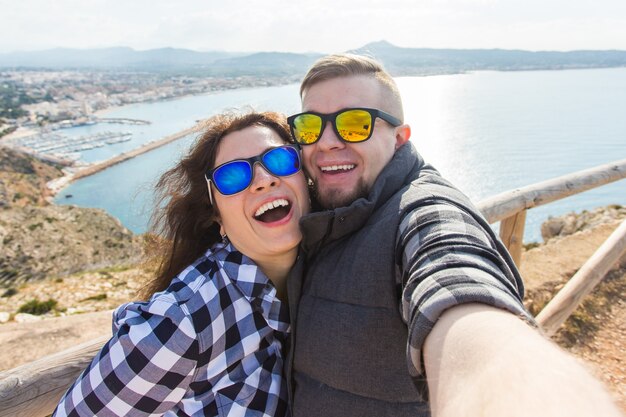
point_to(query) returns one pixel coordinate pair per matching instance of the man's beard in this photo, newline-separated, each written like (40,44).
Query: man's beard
(334,198)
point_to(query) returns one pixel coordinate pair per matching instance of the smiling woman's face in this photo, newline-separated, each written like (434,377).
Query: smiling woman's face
(255,229)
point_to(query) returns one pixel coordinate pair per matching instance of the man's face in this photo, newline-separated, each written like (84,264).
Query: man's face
(341,171)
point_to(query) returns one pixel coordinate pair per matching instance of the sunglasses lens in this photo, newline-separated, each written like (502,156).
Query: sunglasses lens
(282,161)
(233,177)
(354,125)
(307,128)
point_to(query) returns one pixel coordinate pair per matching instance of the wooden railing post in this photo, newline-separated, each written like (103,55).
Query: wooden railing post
(581,284)
(512,235)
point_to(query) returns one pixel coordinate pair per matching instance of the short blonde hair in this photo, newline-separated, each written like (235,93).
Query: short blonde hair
(347,65)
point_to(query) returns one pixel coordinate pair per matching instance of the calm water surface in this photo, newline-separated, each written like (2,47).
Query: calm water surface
(487,132)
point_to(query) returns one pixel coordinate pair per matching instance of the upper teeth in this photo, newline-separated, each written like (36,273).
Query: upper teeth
(281,202)
(337,167)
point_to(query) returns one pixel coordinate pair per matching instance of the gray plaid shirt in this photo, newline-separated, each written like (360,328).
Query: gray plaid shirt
(448,260)
(209,345)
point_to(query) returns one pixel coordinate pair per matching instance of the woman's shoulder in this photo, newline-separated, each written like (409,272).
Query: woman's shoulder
(192,289)
(175,309)
(196,278)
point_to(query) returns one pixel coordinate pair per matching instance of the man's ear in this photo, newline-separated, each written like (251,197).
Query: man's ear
(403,134)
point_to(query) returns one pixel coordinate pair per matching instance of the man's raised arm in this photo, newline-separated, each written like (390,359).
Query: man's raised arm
(483,361)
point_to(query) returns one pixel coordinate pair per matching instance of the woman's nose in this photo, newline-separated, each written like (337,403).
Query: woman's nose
(262,178)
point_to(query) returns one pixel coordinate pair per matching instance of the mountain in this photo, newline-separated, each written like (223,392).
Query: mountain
(398,60)
(266,63)
(112,58)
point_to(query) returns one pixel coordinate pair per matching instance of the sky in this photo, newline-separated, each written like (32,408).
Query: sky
(324,26)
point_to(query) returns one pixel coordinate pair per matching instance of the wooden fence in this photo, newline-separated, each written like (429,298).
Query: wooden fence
(33,389)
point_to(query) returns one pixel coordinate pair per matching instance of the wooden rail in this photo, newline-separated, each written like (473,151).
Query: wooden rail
(510,206)
(34,389)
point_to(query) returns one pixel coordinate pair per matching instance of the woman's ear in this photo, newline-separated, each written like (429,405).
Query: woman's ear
(216,218)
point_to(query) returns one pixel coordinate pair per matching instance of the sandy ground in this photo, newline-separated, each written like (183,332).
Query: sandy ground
(21,343)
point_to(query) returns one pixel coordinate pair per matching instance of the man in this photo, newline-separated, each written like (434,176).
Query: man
(403,301)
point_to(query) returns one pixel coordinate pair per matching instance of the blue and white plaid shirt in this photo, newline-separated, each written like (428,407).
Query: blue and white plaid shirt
(209,345)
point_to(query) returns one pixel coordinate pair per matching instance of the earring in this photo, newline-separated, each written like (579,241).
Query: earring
(224,238)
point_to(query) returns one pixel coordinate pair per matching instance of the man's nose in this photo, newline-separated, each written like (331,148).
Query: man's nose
(329,139)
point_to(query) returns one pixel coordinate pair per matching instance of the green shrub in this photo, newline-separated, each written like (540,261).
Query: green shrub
(115,268)
(9,273)
(9,293)
(34,226)
(531,245)
(37,307)
(98,297)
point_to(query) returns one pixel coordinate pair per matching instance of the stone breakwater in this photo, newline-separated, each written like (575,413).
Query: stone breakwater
(74,173)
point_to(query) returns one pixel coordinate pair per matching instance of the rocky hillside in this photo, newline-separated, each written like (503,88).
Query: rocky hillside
(41,240)
(568,224)
(23,179)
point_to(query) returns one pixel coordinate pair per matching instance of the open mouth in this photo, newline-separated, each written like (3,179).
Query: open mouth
(273,211)
(337,169)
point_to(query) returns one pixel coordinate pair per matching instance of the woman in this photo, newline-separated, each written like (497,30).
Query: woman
(209,341)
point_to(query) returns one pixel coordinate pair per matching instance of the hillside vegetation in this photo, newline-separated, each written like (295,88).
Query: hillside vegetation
(41,240)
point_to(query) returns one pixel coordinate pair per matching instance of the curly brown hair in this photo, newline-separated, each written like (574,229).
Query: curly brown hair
(184,221)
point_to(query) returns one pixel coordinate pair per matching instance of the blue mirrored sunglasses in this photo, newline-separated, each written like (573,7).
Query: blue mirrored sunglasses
(235,176)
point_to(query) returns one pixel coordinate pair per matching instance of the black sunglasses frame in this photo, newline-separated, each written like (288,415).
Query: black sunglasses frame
(332,118)
(253,160)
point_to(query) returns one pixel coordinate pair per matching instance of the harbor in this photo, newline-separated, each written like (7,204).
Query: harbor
(51,143)
(65,147)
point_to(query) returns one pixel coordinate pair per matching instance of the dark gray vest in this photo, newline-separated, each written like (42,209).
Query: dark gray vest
(349,353)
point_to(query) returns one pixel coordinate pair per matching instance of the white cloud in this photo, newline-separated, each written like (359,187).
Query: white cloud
(323,25)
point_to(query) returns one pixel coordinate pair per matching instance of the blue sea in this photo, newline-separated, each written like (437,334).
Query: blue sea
(487,132)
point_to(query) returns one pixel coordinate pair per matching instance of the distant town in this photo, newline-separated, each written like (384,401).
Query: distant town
(32,100)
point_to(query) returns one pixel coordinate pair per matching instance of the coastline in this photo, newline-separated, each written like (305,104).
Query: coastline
(83,169)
